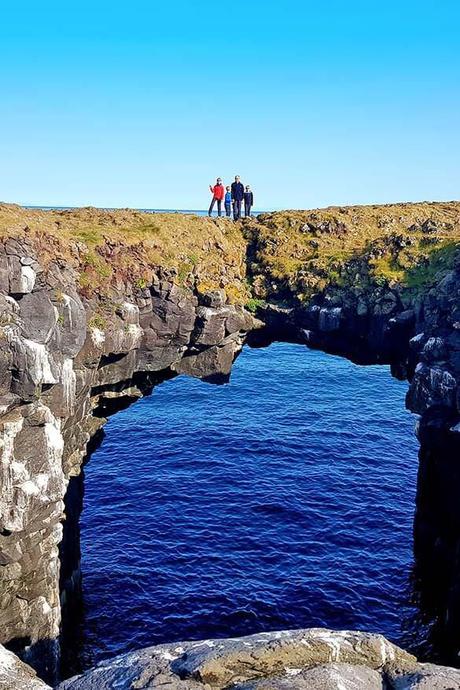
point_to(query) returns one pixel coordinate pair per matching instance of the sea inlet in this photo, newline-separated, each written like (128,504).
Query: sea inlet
(282,499)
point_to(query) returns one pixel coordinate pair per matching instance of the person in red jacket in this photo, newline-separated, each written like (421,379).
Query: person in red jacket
(218,193)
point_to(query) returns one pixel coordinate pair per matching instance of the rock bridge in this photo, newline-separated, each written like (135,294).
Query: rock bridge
(88,325)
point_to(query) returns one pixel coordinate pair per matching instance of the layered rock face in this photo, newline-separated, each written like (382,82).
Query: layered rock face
(96,308)
(68,359)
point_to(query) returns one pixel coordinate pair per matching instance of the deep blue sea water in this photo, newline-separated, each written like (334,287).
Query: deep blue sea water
(282,499)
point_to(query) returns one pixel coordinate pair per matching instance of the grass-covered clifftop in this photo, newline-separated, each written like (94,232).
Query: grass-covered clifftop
(305,252)
(110,247)
(281,255)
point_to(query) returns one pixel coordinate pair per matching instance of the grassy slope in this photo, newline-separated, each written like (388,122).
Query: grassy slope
(304,252)
(293,252)
(114,247)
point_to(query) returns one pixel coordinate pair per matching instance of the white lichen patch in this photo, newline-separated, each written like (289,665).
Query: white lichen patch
(386,650)
(66,300)
(97,336)
(130,312)
(135,334)
(24,482)
(55,442)
(11,474)
(203,643)
(27,279)
(292,671)
(29,488)
(69,384)
(168,656)
(38,362)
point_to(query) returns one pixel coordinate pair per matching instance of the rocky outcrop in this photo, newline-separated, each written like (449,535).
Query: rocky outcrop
(15,675)
(68,359)
(314,659)
(98,307)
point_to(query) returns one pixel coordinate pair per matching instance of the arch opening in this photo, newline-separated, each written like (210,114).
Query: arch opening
(284,499)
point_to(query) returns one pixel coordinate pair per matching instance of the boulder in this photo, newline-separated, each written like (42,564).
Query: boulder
(427,677)
(38,316)
(210,325)
(325,677)
(213,298)
(314,659)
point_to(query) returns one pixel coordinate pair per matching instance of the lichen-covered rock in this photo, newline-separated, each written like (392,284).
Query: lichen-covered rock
(314,659)
(335,676)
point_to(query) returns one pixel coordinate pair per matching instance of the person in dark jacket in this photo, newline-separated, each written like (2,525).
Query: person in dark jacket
(218,192)
(237,197)
(248,201)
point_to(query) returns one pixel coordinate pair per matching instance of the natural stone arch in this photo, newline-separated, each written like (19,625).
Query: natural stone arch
(64,366)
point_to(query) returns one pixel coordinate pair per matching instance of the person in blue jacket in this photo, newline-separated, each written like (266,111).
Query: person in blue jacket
(228,201)
(248,201)
(237,197)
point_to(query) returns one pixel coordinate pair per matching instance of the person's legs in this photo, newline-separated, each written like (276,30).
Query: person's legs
(239,209)
(235,209)
(219,207)
(212,206)
(228,210)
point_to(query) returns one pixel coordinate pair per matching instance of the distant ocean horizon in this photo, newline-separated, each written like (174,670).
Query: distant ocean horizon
(194,211)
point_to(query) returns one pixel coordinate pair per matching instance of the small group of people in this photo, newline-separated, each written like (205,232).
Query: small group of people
(232,196)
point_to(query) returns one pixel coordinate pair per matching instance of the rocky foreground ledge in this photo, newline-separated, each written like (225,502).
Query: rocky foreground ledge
(314,659)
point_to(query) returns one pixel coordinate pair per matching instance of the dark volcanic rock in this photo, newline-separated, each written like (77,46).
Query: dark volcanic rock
(67,362)
(70,355)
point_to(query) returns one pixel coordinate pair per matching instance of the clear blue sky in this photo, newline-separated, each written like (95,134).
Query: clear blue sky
(143,103)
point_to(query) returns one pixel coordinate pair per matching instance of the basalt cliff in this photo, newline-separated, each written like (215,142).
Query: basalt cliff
(97,307)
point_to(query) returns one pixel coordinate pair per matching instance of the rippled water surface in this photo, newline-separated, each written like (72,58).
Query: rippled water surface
(283,499)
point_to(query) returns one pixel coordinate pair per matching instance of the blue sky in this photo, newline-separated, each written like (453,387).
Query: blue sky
(144,103)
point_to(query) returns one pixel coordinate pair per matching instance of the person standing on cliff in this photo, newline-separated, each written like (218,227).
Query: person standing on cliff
(237,197)
(248,201)
(217,192)
(228,201)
